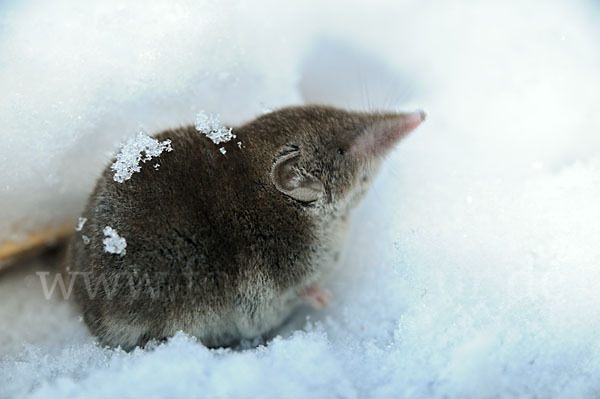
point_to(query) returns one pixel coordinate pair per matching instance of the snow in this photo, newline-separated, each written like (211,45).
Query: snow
(472,268)
(113,243)
(128,159)
(80,223)
(211,126)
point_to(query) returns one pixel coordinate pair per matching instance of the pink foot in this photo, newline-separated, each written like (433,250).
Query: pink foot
(316,296)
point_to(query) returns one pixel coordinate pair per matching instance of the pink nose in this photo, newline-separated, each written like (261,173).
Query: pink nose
(379,138)
(414,119)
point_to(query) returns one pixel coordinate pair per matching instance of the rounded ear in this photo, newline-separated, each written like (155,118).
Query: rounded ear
(292,181)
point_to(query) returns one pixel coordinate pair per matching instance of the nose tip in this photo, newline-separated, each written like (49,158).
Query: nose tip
(419,115)
(414,119)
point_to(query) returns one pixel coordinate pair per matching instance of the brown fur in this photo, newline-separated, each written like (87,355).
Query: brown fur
(213,247)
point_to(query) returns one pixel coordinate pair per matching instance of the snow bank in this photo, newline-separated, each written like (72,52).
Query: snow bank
(473,269)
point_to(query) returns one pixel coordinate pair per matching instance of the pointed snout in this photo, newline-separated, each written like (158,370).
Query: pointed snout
(385,132)
(407,122)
